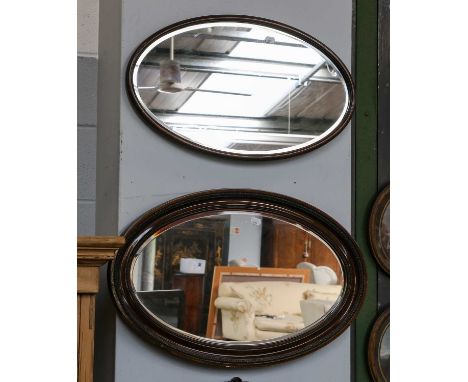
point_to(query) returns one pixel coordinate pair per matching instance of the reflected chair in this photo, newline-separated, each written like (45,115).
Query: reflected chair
(261,310)
(320,274)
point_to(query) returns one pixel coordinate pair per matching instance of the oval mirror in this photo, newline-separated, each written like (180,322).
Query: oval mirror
(238,277)
(240,86)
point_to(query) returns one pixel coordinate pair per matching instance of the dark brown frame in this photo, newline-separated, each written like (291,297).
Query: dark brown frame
(378,209)
(238,354)
(152,123)
(381,324)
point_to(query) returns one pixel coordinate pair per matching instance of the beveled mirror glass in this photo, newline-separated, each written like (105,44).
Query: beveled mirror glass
(237,276)
(384,353)
(229,269)
(240,86)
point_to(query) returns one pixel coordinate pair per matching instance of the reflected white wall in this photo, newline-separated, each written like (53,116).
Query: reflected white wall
(245,239)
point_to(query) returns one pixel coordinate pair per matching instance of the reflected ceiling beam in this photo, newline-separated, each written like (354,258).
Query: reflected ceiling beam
(203,68)
(163,53)
(245,137)
(241,38)
(220,70)
(190,63)
(196,66)
(301,127)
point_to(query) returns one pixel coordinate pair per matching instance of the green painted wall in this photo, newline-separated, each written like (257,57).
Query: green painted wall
(365,166)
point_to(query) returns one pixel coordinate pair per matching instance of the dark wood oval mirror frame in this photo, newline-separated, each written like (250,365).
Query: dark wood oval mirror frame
(378,330)
(381,255)
(239,354)
(158,127)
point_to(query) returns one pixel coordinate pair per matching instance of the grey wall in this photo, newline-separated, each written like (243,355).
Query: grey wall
(86,139)
(87,66)
(87,135)
(150,170)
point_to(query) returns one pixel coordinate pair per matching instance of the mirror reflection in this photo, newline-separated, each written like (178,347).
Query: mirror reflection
(240,88)
(384,230)
(237,276)
(384,354)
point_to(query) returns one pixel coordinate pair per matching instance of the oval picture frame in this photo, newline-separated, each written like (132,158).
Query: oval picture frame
(378,242)
(155,125)
(243,353)
(375,339)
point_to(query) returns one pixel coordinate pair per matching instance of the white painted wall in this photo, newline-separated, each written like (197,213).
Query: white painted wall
(245,238)
(140,169)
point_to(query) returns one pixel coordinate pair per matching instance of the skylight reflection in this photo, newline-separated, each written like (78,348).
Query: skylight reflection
(265,94)
(279,53)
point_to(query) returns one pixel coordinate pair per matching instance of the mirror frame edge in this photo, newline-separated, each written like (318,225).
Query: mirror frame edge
(378,329)
(377,210)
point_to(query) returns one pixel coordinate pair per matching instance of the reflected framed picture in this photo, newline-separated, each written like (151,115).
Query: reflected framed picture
(379,229)
(378,352)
